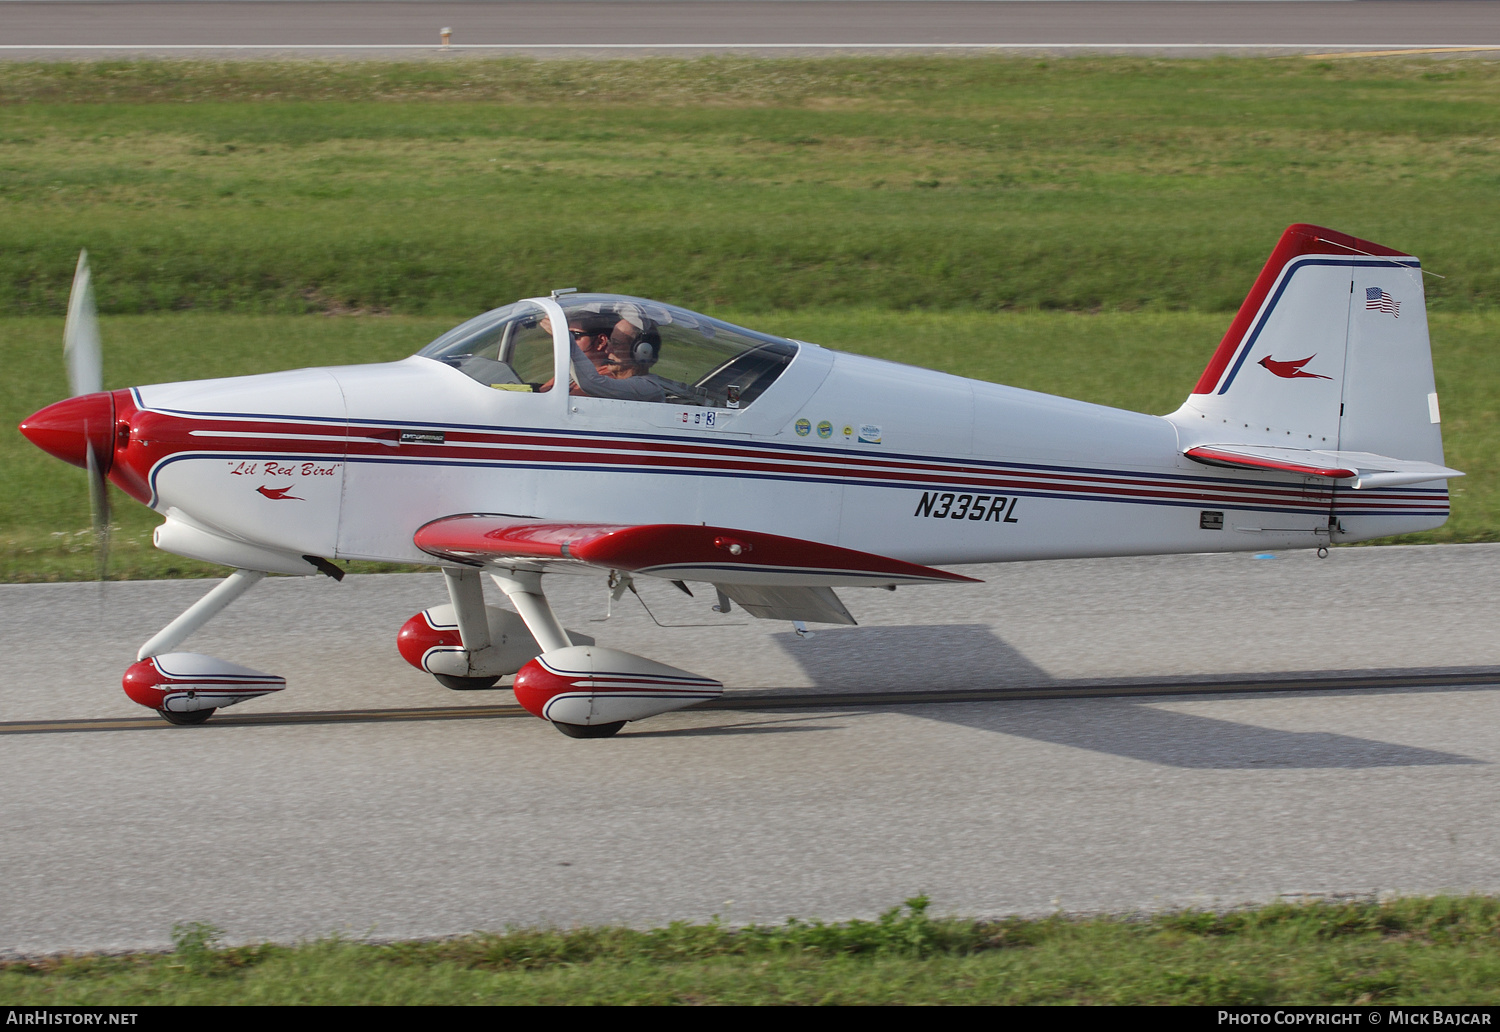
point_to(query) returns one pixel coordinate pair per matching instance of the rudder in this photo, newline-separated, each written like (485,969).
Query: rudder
(1326,371)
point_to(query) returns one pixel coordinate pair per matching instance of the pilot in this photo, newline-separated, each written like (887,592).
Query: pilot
(633,346)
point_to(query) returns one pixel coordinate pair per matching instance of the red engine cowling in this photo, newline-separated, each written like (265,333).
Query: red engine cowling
(185,682)
(587,684)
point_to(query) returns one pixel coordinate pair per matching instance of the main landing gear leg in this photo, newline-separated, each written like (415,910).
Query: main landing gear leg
(466,592)
(524,589)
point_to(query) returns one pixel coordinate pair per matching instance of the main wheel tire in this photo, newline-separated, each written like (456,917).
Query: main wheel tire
(186,719)
(589,730)
(466,684)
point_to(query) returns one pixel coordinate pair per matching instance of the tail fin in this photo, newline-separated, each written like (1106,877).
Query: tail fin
(1329,352)
(1326,371)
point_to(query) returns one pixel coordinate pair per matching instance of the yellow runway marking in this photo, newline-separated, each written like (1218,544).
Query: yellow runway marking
(1403,50)
(788,700)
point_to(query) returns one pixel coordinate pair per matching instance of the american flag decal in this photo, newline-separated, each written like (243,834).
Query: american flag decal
(1377,300)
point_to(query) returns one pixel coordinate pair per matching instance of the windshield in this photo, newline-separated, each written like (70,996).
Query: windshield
(509,348)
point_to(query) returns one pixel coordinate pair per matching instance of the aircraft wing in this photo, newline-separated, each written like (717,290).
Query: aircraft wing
(766,569)
(1366,469)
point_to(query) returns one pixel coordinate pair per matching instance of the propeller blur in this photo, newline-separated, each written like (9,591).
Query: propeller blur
(632,438)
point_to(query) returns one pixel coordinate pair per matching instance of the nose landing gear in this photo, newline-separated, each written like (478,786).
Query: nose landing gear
(187,688)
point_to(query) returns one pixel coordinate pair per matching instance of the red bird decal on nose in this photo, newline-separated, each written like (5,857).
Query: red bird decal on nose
(279,494)
(1292,370)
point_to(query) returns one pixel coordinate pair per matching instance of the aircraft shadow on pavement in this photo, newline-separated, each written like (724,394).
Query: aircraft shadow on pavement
(935,657)
(970,656)
(1141,731)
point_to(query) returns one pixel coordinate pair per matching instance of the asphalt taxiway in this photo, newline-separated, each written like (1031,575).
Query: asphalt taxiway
(392,28)
(833,782)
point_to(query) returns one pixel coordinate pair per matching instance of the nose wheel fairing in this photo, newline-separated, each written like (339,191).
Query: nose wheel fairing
(181,683)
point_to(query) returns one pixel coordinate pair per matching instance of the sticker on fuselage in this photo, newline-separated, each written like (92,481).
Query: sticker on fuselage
(950,505)
(869,433)
(804,427)
(825,429)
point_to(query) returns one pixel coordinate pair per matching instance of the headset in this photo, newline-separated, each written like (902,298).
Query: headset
(646,349)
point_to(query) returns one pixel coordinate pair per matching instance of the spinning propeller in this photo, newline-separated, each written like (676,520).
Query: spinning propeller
(81,430)
(83,354)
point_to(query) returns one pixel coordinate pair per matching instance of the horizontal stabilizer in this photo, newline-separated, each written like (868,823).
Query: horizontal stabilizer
(1366,469)
(675,551)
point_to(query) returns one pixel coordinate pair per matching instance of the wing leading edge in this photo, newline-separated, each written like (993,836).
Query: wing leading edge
(674,551)
(772,577)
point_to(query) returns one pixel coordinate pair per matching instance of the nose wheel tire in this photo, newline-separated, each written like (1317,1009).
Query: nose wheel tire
(186,719)
(466,684)
(588,730)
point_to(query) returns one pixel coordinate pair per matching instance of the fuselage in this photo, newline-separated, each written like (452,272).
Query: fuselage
(930,468)
(934,469)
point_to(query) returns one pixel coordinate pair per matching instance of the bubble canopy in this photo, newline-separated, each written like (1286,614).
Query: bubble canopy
(694,359)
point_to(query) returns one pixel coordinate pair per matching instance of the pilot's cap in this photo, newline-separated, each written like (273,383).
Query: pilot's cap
(632,314)
(591,322)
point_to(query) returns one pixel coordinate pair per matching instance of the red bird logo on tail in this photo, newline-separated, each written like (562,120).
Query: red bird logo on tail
(279,494)
(1292,370)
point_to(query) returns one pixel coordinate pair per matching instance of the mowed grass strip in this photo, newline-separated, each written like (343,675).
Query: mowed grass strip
(1144,361)
(935,183)
(1414,951)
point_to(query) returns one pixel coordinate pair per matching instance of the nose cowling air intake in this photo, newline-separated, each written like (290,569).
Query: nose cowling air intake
(70,428)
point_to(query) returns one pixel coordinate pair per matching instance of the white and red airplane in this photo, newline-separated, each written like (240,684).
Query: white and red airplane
(773,470)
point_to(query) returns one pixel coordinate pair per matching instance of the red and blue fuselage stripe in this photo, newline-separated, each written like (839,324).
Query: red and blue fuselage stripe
(325,439)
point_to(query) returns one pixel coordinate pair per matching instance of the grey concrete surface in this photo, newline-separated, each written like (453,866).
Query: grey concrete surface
(715,25)
(1095,621)
(428,828)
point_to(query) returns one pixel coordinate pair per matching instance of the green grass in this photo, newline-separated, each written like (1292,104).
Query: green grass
(978,183)
(1142,360)
(1415,951)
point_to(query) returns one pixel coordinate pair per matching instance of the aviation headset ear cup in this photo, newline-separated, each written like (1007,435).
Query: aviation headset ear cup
(644,352)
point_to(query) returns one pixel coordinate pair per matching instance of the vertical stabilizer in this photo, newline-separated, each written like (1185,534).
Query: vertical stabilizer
(1326,375)
(1328,352)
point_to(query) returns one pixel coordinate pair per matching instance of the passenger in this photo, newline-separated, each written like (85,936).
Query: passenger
(590,338)
(593,341)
